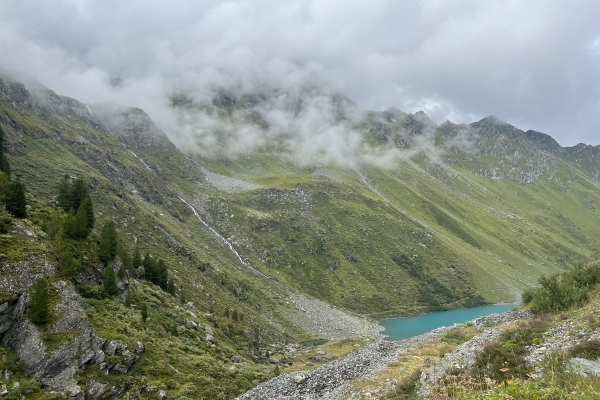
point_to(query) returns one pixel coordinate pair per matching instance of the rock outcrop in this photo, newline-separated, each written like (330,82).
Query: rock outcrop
(73,344)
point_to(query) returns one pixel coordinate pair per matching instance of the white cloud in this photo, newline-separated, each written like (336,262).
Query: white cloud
(527,62)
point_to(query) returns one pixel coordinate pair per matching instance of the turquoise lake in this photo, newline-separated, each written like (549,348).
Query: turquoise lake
(402,328)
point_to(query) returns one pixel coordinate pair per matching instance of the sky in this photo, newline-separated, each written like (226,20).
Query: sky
(534,64)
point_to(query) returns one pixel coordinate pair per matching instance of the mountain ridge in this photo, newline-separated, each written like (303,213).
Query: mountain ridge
(459,215)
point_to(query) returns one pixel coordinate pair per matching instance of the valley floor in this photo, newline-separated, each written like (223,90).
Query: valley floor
(426,366)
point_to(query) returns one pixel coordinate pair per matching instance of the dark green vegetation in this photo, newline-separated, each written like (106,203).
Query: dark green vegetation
(562,291)
(500,371)
(39,305)
(503,359)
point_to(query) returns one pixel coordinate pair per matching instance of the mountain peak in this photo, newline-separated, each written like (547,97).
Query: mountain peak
(546,142)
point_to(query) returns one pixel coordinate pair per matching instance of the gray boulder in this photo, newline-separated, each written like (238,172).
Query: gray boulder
(210,338)
(584,367)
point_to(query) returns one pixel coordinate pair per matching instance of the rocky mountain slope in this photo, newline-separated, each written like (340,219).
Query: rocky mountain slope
(459,216)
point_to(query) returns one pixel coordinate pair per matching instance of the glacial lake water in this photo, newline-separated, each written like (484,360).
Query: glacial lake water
(402,328)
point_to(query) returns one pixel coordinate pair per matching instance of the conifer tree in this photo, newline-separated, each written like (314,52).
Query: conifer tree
(108,243)
(81,221)
(110,282)
(16,203)
(79,193)
(124,255)
(149,268)
(144,310)
(88,209)
(163,275)
(234,315)
(76,224)
(171,287)
(4,166)
(64,194)
(136,261)
(64,255)
(39,306)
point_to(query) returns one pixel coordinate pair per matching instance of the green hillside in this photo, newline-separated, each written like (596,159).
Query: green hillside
(461,215)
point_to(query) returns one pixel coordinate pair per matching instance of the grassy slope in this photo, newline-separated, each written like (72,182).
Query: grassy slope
(165,227)
(504,234)
(337,239)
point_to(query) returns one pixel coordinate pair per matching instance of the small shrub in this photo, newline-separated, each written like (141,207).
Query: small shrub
(459,335)
(589,350)
(501,363)
(406,389)
(90,291)
(5,224)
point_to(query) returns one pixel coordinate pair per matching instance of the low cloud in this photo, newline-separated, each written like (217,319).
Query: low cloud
(534,64)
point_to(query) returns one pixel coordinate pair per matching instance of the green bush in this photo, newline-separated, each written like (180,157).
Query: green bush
(589,350)
(560,292)
(5,224)
(406,389)
(503,359)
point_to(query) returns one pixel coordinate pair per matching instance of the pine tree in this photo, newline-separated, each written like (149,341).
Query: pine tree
(109,243)
(110,282)
(124,255)
(16,203)
(64,194)
(144,310)
(64,255)
(163,275)
(81,221)
(234,315)
(4,166)
(75,226)
(88,209)
(171,287)
(79,193)
(136,261)
(39,306)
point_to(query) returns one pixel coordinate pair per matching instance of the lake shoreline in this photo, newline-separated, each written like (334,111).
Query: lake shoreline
(407,327)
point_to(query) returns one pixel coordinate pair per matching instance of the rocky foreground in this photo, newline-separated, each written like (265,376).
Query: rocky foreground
(330,381)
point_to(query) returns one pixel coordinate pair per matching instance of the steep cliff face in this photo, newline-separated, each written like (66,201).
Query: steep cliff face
(134,128)
(54,353)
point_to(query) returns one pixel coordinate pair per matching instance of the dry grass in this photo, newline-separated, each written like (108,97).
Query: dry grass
(338,348)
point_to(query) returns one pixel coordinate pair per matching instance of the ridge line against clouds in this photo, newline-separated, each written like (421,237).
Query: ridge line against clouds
(534,64)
